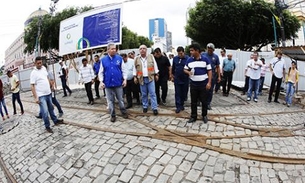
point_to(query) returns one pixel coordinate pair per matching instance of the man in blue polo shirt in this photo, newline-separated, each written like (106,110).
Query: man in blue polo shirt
(216,77)
(181,79)
(198,68)
(112,77)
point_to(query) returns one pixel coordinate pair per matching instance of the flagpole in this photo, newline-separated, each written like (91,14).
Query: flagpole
(274,31)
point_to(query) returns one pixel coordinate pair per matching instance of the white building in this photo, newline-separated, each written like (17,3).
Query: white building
(15,58)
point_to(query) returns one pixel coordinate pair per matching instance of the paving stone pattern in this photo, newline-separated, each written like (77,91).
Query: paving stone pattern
(107,154)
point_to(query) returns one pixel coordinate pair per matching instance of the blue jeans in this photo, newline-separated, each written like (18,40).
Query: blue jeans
(2,103)
(16,96)
(261,84)
(64,85)
(289,92)
(111,93)
(56,103)
(46,107)
(180,94)
(148,87)
(253,86)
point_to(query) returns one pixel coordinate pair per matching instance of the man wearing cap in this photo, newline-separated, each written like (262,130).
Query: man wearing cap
(14,81)
(216,77)
(63,74)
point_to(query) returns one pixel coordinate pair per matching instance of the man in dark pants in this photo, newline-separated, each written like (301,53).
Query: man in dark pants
(181,80)
(228,70)
(96,68)
(164,75)
(214,60)
(131,86)
(15,83)
(198,68)
(277,67)
(63,74)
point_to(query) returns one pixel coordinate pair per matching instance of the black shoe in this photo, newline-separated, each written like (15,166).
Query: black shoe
(65,96)
(205,119)
(59,122)
(144,110)
(192,120)
(97,97)
(39,117)
(128,106)
(164,102)
(209,107)
(276,101)
(155,112)
(49,130)
(91,102)
(182,109)
(113,118)
(125,116)
(177,111)
(269,100)
(70,93)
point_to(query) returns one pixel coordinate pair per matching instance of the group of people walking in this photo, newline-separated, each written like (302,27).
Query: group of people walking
(144,75)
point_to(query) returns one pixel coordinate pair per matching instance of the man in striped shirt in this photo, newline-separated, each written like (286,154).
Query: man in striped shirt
(198,67)
(86,76)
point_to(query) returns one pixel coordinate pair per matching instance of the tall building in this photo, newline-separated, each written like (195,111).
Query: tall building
(157,28)
(169,41)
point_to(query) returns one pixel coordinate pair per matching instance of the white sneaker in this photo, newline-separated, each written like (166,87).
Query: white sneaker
(255,100)
(248,99)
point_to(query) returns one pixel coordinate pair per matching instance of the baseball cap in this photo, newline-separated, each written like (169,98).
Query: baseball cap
(211,45)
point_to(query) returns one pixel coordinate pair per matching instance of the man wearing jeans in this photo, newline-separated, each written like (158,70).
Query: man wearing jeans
(14,81)
(113,77)
(63,74)
(41,90)
(255,74)
(146,73)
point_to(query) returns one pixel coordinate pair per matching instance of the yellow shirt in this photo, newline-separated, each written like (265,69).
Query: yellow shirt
(13,81)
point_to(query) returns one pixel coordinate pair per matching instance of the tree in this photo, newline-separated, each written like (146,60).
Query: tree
(237,24)
(49,37)
(132,40)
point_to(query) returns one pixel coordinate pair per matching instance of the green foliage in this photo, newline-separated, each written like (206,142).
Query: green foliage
(132,40)
(237,24)
(49,35)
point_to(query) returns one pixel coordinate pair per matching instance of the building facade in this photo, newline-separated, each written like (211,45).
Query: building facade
(15,58)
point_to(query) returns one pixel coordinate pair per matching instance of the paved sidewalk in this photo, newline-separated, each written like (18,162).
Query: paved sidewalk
(231,147)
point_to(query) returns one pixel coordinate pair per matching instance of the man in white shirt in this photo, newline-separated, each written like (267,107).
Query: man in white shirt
(131,86)
(86,76)
(277,67)
(255,74)
(41,90)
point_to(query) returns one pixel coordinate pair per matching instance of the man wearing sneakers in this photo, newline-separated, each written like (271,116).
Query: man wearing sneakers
(41,90)
(14,81)
(255,74)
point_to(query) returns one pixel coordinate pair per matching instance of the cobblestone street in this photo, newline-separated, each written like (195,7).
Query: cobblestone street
(242,142)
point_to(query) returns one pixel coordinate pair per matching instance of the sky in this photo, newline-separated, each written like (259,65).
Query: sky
(136,15)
